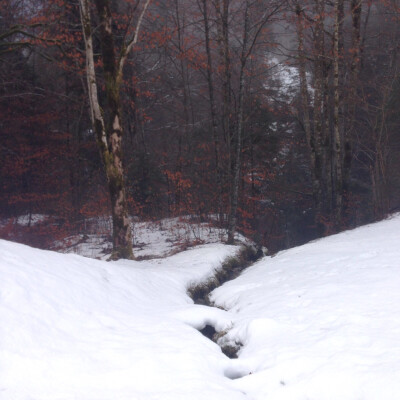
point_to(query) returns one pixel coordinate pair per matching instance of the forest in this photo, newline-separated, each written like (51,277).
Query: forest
(276,119)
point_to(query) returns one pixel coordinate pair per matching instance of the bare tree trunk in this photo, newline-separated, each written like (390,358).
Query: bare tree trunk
(303,80)
(222,10)
(232,220)
(378,170)
(109,135)
(310,132)
(249,40)
(213,109)
(183,72)
(337,142)
(356,9)
(317,137)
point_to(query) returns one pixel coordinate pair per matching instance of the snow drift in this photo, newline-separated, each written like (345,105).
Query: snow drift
(318,322)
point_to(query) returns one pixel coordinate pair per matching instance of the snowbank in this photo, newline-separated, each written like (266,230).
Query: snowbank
(76,328)
(321,321)
(317,322)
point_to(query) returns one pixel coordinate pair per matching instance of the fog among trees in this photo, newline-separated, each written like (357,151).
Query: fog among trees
(278,120)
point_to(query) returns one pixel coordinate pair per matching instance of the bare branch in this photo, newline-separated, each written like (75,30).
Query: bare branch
(126,50)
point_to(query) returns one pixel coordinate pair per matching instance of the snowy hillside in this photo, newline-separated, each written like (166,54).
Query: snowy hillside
(322,321)
(317,322)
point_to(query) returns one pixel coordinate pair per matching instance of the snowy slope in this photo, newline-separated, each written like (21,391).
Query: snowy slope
(76,328)
(322,321)
(318,322)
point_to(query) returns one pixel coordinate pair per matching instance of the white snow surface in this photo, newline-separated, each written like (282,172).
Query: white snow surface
(77,328)
(150,239)
(317,322)
(321,321)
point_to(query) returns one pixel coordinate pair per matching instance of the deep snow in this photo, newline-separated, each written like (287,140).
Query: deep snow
(322,321)
(318,322)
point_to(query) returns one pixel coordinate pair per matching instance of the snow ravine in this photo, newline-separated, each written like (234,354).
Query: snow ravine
(77,328)
(318,322)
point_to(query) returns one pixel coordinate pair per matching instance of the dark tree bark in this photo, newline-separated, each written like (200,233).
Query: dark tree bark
(317,138)
(222,10)
(213,108)
(250,36)
(305,100)
(232,220)
(337,153)
(356,9)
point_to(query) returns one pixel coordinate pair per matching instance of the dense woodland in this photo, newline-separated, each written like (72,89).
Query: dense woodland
(277,119)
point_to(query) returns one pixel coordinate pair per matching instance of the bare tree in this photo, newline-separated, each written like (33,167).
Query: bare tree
(253,26)
(337,153)
(107,122)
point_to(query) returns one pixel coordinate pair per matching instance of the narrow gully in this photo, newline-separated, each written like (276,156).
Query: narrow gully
(230,269)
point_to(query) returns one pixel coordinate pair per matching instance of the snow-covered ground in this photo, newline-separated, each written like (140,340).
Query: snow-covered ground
(77,328)
(150,239)
(322,321)
(318,322)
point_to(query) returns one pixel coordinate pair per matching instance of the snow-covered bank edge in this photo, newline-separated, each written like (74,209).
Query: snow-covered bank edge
(317,322)
(321,321)
(230,269)
(74,327)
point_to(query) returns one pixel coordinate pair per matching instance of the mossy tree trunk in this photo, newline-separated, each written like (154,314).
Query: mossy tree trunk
(109,132)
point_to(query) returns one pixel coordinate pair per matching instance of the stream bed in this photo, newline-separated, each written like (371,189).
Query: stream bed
(230,269)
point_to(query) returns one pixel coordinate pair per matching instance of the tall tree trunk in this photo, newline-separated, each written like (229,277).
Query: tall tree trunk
(109,135)
(356,9)
(222,10)
(337,158)
(232,220)
(303,80)
(213,109)
(311,132)
(318,128)
(183,72)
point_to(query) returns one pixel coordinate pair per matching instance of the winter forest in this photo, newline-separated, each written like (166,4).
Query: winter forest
(275,119)
(199,199)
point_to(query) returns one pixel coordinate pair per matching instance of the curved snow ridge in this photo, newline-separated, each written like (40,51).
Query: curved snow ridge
(323,320)
(198,316)
(201,317)
(213,328)
(77,328)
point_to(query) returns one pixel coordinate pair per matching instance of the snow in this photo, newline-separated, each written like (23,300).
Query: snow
(151,239)
(287,79)
(317,322)
(25,220)
(77,328)
(321,321)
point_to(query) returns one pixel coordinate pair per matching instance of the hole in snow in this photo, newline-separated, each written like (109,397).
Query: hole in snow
(230,350)
(208,331)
